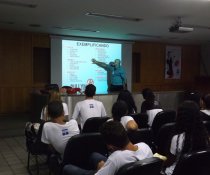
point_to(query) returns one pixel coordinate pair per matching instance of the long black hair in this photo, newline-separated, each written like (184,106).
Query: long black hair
(126,96)
(189,122)
(119,109)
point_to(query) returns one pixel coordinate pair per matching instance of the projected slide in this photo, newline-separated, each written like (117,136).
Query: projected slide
(77,67)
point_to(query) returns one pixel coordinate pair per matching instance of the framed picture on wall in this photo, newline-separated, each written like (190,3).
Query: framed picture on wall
(173,62)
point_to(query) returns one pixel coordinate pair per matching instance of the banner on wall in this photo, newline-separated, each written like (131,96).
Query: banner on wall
(173,62)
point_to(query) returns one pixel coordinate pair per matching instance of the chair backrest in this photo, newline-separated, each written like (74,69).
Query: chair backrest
(164,136)
(93,124)
(149,166)
(195,163)
(163,117)
(79,148)
(141,135)
(207,125)
(204,116)
(141,119)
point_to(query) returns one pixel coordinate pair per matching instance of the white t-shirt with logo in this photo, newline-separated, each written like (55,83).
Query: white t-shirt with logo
(119,158)
(88,108)
(58,135)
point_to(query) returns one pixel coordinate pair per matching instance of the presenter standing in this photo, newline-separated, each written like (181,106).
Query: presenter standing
(116,75)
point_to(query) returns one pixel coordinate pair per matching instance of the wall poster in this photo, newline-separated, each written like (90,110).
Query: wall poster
(173,62)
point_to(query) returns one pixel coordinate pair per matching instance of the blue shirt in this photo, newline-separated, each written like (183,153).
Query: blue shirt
(118,75)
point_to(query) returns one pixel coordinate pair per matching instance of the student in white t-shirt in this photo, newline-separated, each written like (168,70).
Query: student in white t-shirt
(89,107)
(120,114)
(54,96)
(57,132)
(192,134)
(123,152)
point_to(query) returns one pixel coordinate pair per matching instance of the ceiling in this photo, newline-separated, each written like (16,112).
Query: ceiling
(67,17)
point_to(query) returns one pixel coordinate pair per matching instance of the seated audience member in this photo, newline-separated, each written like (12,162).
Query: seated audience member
(126,96)
(54,96)
(120,114)
(122,152)
(192,134)
(89,107)
(149,101)
(57,132)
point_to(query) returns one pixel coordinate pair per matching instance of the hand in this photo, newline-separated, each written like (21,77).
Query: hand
(100,164)
(93,60)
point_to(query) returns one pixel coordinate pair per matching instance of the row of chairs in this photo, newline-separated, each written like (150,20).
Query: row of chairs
(79,148)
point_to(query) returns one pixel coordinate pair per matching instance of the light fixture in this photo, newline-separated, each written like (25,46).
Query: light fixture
(77,29)
(20,4)
(113,16)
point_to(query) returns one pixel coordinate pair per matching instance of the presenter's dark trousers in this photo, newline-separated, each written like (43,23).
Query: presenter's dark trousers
(115,88)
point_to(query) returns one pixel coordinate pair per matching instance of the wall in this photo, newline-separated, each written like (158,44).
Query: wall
(16,69)
(25,66)
(152,64)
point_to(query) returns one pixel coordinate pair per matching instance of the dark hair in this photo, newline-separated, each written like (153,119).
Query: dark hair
(127,97)
(55,109)
(193,96)
(90,90)
(114,134)
(206,101)
(119,109)
(148,93)
(189,121)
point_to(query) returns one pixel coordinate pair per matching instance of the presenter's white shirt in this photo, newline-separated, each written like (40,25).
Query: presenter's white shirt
(119,158)
(44,114)
(88,108)
(58,135)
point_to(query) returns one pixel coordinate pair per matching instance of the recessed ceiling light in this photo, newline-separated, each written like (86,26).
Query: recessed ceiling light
(144,35)
(78,29)
(20,4)
(113,16)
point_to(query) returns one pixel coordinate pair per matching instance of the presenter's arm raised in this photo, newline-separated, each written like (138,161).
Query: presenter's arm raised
(100,64)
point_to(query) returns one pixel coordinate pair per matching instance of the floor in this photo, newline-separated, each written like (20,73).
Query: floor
(13,152)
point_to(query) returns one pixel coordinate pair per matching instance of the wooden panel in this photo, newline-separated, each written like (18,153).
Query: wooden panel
(153,65)
(41,40)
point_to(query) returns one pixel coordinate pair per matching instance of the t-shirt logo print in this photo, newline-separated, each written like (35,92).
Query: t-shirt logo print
(91,105)
(65,132)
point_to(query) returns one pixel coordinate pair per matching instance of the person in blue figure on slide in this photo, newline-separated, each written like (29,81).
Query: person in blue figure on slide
(116,76)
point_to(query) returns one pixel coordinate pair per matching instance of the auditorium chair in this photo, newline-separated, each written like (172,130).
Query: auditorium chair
(207,125)
(142,135)
(93,124)
(163,117)
(141,119)
(195,163)
(148,166)
(164,136)
(78,151)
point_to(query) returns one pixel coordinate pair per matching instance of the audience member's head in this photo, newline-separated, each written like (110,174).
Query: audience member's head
(193,96)
(126,96)
(189,122)
(90,90)
(147,93)
(206,101)
(54,96)
(114,135)
(55,109)
(119,109)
